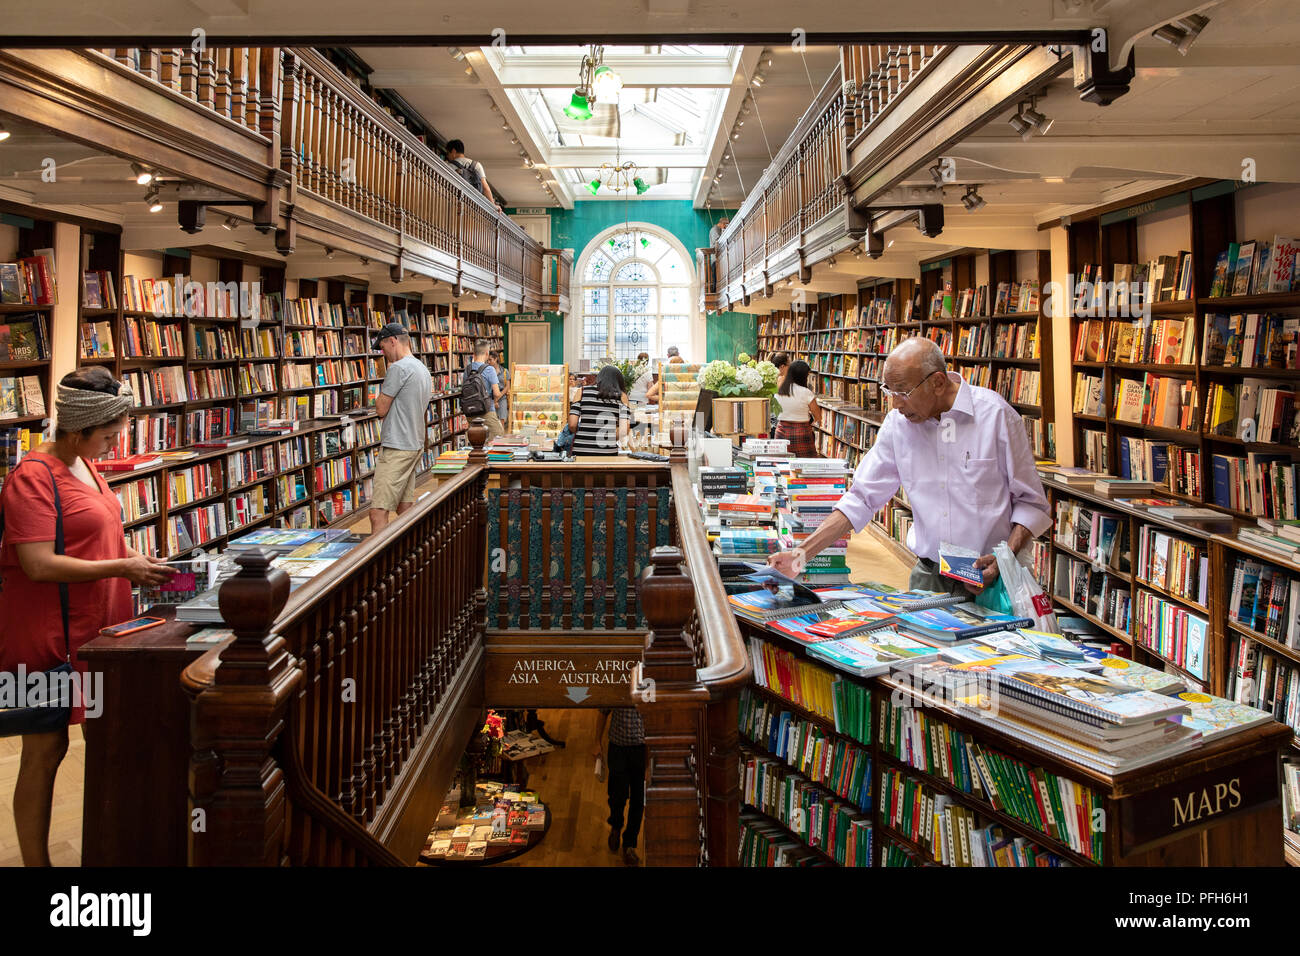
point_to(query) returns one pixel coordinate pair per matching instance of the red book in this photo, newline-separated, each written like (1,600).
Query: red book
(133,463)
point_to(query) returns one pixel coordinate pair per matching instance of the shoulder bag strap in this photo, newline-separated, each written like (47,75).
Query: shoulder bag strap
(64,598)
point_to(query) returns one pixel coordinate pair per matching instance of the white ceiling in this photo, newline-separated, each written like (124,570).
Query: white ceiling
(484,99)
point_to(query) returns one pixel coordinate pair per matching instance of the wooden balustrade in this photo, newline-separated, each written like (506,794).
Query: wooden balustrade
(557,273)
(800,205)
(333,142)
(226,81)
(566,543)
(329,729)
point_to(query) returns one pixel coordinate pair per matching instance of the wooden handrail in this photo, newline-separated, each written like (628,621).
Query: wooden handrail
(727,666)
(324,728)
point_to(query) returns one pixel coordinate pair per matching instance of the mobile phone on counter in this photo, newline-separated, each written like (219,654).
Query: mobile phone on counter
(131,626)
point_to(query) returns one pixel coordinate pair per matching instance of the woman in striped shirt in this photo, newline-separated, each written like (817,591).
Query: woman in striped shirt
(600,418)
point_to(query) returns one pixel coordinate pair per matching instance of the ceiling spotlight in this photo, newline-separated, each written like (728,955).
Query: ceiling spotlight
(832,262)
(143,177)
(329,253)
(972,200)
(936,173)
(857,252)
(528,163)
(1021,125)
(1036,119)
(4,133)
(231,224)
(151,197)
(758,80)
(1181,33)
(456,53)
(364,261)
(736,135)
(889,243)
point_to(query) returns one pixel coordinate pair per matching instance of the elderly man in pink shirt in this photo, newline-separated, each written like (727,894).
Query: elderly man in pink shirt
(961,454)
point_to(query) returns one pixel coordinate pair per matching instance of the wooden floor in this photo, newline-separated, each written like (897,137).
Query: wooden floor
(564,780)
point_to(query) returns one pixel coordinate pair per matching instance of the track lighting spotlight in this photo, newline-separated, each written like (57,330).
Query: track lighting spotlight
(1021,125)
(151,197)
(4,133)
(329,253)
(1036,119)
(364,261)
(143,177)
(936,173)
(230,224)
(456,53)
(972,200)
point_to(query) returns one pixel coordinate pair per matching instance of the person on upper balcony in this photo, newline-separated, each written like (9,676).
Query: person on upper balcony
(470,170)
(960,453)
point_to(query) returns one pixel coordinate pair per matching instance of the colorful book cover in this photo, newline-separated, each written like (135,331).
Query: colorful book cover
(872,653)
(959,564)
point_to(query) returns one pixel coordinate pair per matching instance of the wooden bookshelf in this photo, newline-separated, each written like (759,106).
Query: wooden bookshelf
(22,421)
(1199,223)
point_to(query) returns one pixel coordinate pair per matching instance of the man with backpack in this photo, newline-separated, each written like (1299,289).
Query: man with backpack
(402,401)
(470,170)
(480,391)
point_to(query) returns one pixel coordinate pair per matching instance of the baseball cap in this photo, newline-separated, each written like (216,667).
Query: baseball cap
(392,328)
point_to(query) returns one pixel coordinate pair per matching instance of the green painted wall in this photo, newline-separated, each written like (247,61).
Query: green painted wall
(556,321)
(726,333)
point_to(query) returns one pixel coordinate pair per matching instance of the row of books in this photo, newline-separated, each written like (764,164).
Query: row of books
(32,280)
(1173,632)
(838,829)
(1254,267)
(1156,400)
(21,397)
(1021,386)
(98,290)
(953,834)
(1253,410)
(1266,599)
(1173,564)
(1133,285)
(1251,340)
(1264,679)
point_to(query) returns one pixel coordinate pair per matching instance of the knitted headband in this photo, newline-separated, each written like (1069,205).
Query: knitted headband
(79,408)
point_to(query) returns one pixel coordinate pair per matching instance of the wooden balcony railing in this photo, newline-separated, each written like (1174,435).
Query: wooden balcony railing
(327,732)
(557,273)
(330,164)
(239,84)
(801,204)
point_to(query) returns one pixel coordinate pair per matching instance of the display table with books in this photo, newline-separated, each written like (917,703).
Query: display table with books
(895,729)
(503,823)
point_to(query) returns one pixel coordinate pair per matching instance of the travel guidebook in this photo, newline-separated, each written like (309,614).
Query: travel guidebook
(959,564)
(957,622)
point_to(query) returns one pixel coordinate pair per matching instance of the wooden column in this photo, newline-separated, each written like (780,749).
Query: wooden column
(234,781)
(671,702)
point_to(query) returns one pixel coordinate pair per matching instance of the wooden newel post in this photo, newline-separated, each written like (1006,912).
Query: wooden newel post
(237,799)
(671,702)
(477,434)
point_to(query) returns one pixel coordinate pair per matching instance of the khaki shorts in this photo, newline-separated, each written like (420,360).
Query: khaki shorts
(394,477)
(493,425)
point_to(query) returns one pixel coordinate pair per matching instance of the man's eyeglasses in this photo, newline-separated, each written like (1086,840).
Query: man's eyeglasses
(902,396)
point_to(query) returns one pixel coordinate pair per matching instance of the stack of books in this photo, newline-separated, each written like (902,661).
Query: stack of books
(811,488)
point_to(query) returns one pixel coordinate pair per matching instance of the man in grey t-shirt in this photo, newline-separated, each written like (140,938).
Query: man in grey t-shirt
(401,403)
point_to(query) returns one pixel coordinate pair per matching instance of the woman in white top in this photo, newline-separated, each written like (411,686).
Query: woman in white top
(798,412)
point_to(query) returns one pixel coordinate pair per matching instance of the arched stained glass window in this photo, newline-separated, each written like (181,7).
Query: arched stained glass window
(636,290)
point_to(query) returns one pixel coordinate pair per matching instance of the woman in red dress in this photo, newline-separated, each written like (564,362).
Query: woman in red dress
(97,565)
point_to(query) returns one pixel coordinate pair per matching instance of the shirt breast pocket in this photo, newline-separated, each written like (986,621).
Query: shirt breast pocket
(984,478)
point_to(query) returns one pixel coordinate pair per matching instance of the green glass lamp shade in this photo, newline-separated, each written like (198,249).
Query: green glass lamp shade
(593,187)
(578,108)
(640,185)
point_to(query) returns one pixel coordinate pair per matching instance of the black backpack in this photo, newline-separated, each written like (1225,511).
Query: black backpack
(468,170)
(475,394)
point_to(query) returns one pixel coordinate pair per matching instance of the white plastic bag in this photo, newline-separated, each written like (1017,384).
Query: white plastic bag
(1026,596)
